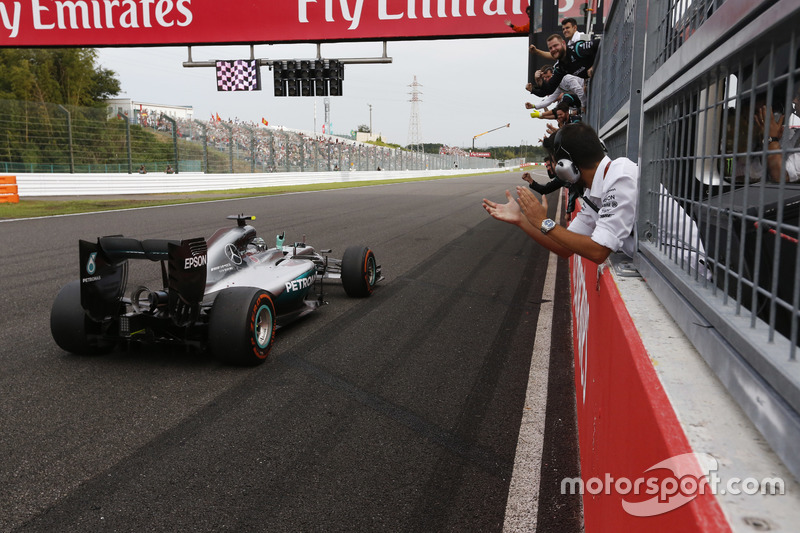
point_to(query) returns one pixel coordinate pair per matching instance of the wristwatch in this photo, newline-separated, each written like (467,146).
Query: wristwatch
(773,140)
(547,225)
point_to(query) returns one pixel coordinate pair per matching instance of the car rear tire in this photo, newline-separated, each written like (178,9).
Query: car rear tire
(71,328)
(359,271)
(241,327)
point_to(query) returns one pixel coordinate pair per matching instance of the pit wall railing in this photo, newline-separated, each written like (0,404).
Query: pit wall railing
(679,87)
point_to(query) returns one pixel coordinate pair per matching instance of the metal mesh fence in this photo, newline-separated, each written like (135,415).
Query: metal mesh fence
(712,114)
(40,137)
(675,22)
(611,81)
(713,151)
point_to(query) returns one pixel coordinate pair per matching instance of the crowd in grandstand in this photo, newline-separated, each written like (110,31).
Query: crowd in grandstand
(453,150)
(277,149)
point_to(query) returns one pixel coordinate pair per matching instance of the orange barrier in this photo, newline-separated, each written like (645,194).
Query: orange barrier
(9,193)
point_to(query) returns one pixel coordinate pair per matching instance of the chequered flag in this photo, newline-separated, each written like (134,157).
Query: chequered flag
(238,75)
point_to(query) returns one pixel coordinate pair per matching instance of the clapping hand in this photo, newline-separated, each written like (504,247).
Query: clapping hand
(530,207)
(507,212)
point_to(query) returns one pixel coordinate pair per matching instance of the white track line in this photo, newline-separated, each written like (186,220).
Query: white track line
(523,494)
(122,197)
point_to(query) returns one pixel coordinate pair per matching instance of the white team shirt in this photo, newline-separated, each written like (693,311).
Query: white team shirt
(569,84)
(791,141)
(615,191)
(678,234)
(578,36)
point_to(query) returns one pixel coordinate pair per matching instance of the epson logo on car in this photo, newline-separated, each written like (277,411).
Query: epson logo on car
(298,284)
(194,262)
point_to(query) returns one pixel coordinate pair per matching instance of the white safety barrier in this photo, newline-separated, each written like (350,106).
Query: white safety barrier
(159,182)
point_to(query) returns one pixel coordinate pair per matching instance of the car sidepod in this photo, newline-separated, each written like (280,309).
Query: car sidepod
(296,290)
(288,280)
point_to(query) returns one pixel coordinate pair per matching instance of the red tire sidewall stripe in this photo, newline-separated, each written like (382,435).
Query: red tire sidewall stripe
(261,353)
(366,270)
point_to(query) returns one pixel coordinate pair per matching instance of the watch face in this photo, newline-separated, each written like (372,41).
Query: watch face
(547,225)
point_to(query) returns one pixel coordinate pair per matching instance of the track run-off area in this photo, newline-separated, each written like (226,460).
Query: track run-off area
(399,412)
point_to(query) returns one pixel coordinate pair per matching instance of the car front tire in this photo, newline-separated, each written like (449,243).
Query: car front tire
(359,271)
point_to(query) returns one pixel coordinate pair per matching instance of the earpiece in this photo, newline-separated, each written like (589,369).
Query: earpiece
(567,171)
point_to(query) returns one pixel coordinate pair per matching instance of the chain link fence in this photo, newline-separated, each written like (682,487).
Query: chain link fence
(41,138)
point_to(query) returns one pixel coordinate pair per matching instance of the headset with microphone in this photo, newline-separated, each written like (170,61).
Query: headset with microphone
(565,169)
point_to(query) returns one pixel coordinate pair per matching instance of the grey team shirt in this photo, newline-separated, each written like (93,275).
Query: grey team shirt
(615,192)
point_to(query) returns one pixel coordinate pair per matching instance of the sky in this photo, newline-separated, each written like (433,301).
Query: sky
(468,87)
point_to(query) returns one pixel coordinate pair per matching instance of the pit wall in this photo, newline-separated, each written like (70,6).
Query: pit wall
(627,425)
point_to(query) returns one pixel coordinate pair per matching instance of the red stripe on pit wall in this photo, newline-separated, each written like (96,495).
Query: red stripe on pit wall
(626,423)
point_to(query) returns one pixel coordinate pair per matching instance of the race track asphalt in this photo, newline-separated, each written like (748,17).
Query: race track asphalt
(399,412)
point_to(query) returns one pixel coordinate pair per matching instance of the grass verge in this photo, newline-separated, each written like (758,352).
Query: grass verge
(32,207)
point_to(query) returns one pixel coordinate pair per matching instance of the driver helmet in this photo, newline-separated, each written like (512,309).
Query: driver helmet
(257,245)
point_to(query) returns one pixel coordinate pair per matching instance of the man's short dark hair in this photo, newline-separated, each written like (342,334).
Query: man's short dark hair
(569,20)
(571,100)
(547,144)
(555,36)
(562,106)
(581,143)
(547,68)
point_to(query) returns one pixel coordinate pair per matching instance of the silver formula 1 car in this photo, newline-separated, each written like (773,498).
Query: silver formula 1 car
(228,294)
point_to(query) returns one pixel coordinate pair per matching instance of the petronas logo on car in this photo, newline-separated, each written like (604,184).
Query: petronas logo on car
(299,284)
(91,264)
(209,297)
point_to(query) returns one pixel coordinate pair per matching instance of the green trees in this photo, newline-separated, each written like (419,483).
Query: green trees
(67,76)
(39,90)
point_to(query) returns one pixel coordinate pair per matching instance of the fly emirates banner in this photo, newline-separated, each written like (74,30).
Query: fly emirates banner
(151,22)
